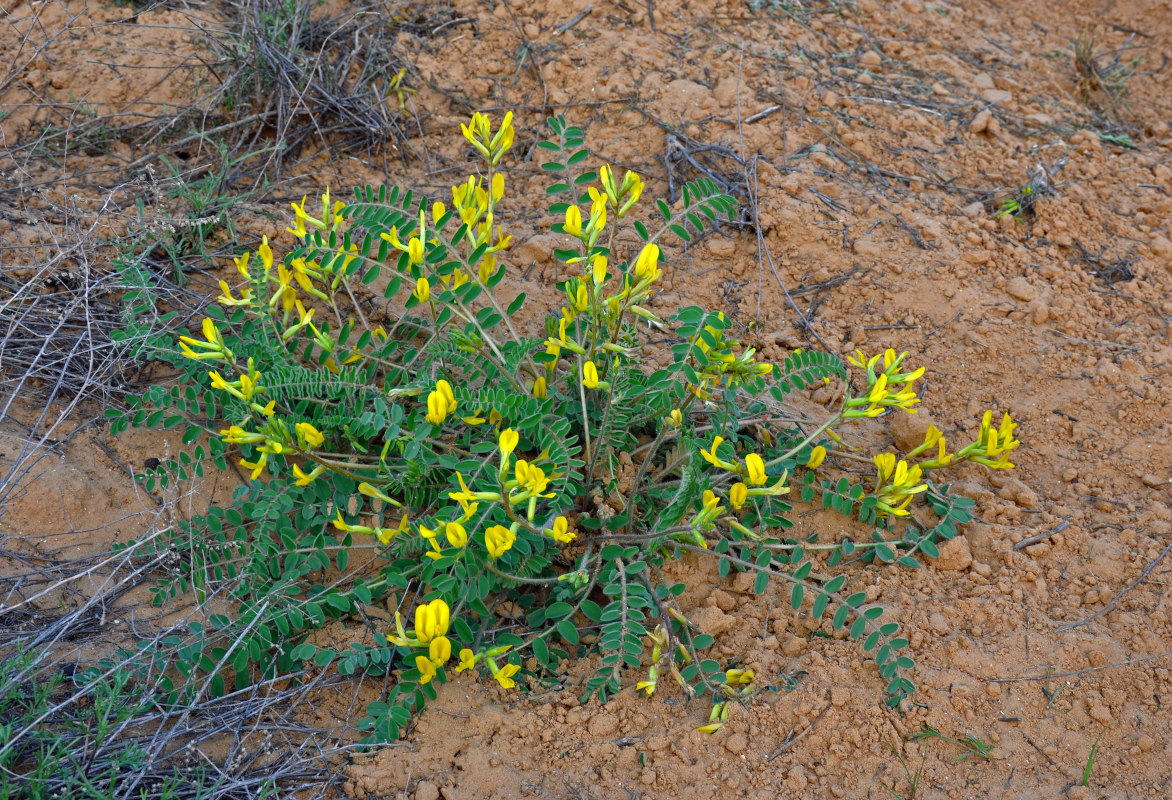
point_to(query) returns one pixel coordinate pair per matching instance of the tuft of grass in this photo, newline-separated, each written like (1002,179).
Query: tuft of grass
(1102,75)
(971,745)
(913,780)
(1090,765)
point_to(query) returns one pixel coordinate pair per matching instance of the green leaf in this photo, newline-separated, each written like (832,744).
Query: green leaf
(797,593)
(568,631)
(761,582)
(703,641)
(515,306)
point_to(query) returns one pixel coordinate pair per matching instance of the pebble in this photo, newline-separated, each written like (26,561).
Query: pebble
(603,724)
(1021,289)
(985,122)
(736,744)
(997,96)
(954,555)
(426,790)
(722,248)
(1162,247)
(908,429)
(871,60)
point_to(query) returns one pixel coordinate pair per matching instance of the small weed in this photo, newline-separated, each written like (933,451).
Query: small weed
(1102,75)
(200,206)
(913,780)
(1086,770)
(1020,205)
(971,745)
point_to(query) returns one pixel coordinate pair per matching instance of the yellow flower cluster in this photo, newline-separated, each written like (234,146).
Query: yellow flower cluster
(992,447)
(620,196)
(888,388)
(722,363)
(431,627)
(492,147)
(896,484)
(738,684)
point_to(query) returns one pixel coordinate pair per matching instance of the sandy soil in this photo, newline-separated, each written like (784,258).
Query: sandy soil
(877,138)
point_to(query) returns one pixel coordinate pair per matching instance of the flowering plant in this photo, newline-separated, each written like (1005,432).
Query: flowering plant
(482,465)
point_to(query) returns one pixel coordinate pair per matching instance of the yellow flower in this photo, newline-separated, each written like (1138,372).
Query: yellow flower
(311,438)
(304,479)
(386,534)
(675,418)
(560,531)
(487,268)
(734,677)
(415,251)
(255,468)
(531,477)
(431,620)
(646,264)
(498,187)
(649,684)
(817,456)
(456,535)
(581,299)
(738,494)
(374,492)
(440,650)
(499,540)
(440,403)
(598,270)
(242,265)
(467,660)
(226,297)
(392,236)
(573,223)
(426,668)
(713,459)
(633,188)
(422,291)
(265,252)
(234,434)
(755,469)
(507,442)
(504,675)
(590,375)
(539,388)
(213,344)
(437,211)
